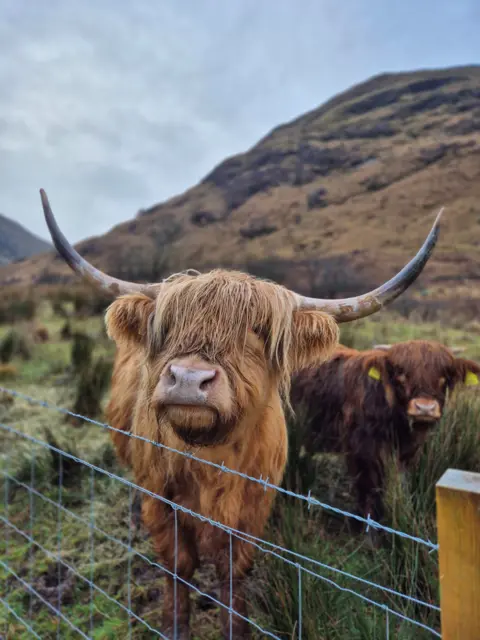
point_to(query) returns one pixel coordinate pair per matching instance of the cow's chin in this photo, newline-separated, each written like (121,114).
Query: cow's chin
(197,425)
(420,423)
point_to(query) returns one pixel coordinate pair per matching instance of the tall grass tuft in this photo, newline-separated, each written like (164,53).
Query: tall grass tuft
(66,331)
(59,309)
(92,383)
(92,377)
(81,352)
(299,474)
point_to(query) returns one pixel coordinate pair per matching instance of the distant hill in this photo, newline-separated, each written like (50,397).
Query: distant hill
(333,201)
(16,243)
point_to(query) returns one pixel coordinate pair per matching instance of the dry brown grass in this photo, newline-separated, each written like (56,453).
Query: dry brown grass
(8,371)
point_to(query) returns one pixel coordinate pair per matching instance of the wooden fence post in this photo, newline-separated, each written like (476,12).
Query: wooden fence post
(458,522)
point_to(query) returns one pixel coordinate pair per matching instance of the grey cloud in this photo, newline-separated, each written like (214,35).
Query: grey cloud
(113,106)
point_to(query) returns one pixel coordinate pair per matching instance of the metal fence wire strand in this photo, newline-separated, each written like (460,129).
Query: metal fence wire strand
(267,485)
(303,565)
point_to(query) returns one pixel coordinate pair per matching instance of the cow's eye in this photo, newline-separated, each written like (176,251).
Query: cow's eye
(156,337)
(401,378)
(442,383)
(260,333)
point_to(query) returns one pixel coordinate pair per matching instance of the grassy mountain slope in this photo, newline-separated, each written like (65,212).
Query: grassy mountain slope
(17,243)
(334,201)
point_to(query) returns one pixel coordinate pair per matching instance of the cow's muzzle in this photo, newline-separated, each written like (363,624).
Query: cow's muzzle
(424,409)
(194,396)
(187,386)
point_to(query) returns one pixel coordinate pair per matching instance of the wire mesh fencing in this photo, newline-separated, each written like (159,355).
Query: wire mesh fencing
(75,559)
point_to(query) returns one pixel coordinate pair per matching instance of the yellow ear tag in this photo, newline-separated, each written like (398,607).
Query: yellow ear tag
(471,379)
(374,373)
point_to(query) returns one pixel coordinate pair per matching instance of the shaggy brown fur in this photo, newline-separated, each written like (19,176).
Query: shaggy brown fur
(256,338)
(368,418)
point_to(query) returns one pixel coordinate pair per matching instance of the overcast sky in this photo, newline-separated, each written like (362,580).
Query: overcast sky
(115,105)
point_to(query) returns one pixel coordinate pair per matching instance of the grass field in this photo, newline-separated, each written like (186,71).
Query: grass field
(89,498)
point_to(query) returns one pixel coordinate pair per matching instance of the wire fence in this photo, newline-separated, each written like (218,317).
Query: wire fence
(58,574)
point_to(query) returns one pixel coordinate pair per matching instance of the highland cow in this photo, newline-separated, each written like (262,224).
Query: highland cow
(372,404)
(203,364)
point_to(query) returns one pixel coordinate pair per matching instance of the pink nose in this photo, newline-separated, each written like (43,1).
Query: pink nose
(185,385)
(425,407)
(190,378)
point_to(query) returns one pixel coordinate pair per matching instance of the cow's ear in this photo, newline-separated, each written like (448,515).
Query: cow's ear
(376,385)
(466,372)
(128,317)
(314,337)
(376,367)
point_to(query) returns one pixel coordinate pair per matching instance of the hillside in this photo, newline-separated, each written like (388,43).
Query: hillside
(17,243)
(333,201)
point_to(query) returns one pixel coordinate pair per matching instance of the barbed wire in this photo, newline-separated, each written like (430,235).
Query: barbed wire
(311,501)
(256,542)
(263,546)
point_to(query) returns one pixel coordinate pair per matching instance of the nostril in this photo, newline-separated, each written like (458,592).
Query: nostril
(172,378)
(186,378)
(425,407)
(207,378)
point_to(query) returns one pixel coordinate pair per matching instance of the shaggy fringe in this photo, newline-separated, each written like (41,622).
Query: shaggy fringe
(213,312)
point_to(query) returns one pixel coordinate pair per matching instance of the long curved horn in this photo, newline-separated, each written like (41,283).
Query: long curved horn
(84,269)
(348,309)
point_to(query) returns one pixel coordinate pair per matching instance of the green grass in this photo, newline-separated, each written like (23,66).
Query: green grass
(323,537)
(363,334)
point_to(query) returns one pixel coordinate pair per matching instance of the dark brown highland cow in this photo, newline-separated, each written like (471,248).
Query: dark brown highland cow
(203,363)
(382,401)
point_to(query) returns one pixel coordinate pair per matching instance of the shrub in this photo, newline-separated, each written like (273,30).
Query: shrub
(66,331)
(92,383)
(89,303)
(17,305)
(58,309)
(14,344)
(84,300)
(81,351)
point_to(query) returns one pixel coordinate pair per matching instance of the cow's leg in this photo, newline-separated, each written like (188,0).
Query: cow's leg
(231,575)
(175,546)
(368,477)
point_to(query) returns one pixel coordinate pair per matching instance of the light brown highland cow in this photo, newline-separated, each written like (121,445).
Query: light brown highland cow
(203,364)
